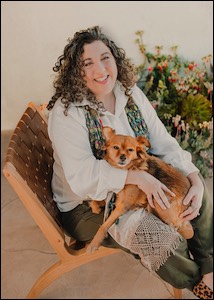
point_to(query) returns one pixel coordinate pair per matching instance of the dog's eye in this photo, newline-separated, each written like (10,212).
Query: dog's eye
(116,147)
(130,149)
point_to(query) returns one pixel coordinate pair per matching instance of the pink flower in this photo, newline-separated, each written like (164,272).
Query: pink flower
(190,66)
(160,67)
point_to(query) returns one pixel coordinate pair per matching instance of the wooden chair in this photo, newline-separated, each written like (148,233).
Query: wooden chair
(28,168)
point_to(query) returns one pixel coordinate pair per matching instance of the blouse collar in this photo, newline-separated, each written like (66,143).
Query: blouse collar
(121,100)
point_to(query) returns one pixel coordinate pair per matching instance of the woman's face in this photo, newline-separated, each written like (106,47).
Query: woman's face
(100,69)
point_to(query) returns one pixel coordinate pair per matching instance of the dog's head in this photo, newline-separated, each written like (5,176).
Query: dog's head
(122,150)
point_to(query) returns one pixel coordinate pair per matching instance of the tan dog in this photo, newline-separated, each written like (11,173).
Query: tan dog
(126,152)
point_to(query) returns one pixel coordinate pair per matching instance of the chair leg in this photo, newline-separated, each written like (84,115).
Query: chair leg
(177,293)
(64,266)
(47,278)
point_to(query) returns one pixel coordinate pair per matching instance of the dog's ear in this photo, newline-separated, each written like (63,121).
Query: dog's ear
(143,141)
(108,132)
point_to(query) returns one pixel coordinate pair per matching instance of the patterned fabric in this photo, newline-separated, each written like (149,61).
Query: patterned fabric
(202,291)
(154,241)
(136,120)
(94,126)
(95,131)
(146,236)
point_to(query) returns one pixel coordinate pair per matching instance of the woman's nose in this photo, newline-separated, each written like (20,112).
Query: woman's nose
(99,68)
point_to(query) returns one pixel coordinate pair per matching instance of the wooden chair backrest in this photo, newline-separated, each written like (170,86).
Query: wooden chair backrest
(29,166)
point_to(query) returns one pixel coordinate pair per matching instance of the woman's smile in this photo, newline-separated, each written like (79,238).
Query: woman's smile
(102,80)
(100,69)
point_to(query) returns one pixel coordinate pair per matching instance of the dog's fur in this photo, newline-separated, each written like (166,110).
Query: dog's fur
(126,152)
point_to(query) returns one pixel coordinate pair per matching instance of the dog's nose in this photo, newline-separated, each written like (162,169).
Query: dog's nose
(122,157)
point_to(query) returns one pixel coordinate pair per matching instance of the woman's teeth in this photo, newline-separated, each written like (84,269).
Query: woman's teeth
(101,79)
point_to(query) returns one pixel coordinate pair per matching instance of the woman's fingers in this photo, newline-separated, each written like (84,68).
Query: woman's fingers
(162,201)
(189,214)
(165,188)
(155,191)
(192,211)
(161,197)
(150,200)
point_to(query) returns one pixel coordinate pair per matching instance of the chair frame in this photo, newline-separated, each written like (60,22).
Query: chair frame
(69,258)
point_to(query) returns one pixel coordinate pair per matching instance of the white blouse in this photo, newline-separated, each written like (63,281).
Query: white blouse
(78,175)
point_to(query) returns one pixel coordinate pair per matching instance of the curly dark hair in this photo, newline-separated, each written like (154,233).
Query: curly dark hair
(69,83)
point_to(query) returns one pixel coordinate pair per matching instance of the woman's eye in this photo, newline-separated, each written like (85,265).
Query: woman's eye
(105,57)
(116,147)
(88,64)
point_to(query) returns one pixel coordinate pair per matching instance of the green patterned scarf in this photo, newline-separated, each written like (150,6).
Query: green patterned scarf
(94,126)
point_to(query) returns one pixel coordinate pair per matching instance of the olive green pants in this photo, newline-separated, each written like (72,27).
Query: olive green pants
(184,269)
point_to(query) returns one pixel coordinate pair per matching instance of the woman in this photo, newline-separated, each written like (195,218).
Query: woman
(95,87)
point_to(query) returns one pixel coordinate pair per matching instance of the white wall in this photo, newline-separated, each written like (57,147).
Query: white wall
(34,34)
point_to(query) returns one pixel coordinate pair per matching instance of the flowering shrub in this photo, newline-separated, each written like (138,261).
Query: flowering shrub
(198,141)
(181,92)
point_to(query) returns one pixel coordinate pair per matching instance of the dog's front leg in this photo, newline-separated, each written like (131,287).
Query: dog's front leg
(102,231)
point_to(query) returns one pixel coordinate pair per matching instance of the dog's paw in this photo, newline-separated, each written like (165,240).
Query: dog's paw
(96,210)
(91,248)
(96,206)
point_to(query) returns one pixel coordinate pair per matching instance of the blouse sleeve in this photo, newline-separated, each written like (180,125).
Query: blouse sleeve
(162,143)
(86,176)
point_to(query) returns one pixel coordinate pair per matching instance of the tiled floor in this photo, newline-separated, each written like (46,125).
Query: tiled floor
(26,254)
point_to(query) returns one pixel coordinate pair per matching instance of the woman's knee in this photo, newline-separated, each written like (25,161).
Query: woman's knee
(85,230)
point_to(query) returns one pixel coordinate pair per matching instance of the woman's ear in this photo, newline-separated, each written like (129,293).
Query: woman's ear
(108,132)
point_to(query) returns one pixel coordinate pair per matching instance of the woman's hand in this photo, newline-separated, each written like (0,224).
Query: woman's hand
(194,197)
(152,187)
